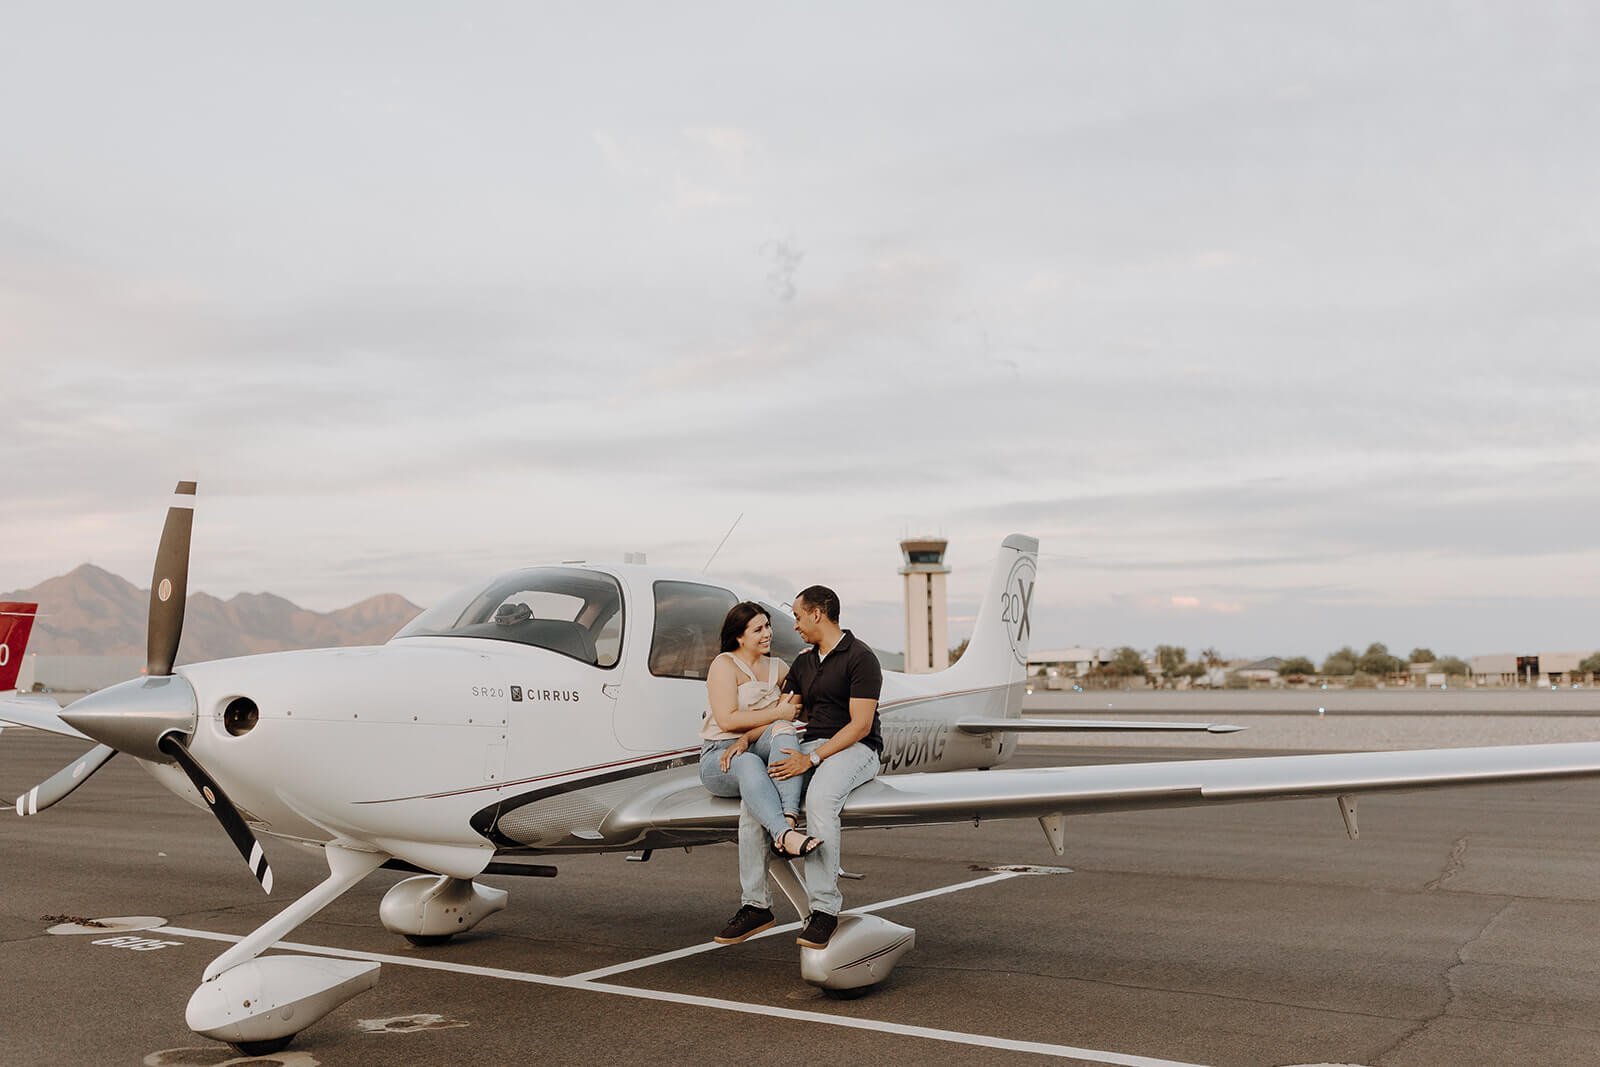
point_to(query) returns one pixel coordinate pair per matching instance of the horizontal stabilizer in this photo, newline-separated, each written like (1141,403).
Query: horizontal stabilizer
(39,712)
(1032,725)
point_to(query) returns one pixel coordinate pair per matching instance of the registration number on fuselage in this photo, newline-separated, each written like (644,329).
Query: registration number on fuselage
(913,744)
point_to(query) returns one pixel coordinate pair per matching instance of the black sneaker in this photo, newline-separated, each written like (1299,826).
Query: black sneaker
(745,922)
(818,930)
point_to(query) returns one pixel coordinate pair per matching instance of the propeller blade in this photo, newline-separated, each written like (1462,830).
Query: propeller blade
(169,586)
(64,781)
(223,809)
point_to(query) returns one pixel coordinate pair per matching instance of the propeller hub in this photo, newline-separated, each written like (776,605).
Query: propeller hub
(133,716)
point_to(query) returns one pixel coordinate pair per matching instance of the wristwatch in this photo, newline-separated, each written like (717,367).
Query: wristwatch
(816,760)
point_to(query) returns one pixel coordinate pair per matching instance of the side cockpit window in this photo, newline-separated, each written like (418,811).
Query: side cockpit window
(688,628)
(577,613)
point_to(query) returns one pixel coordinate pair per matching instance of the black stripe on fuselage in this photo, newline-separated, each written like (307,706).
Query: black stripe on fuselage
(486,821)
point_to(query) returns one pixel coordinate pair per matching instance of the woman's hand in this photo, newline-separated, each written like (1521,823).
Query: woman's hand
(733,750)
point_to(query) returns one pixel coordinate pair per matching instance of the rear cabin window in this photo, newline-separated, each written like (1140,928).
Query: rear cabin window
(688,628)
(574,612)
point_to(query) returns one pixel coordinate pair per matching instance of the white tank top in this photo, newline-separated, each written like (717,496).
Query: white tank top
(754,695)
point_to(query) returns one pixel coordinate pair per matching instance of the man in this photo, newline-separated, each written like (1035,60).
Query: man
(838,681)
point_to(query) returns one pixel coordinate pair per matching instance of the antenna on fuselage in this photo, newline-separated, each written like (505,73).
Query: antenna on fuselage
(722,542)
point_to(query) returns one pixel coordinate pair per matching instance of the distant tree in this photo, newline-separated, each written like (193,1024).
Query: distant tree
(1169,661)
(955,653)
(1423,655)
(1297,666)
(1451,667)
(1126,662)
(1592,664)
(1212,658)
(1341,662)
(1377,661)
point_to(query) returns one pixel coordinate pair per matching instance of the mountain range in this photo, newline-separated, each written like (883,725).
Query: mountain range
(92,612)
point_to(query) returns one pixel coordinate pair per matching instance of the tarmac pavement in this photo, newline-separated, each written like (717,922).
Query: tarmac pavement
(1462,928)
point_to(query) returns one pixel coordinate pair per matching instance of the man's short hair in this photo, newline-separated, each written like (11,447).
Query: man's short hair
(820,596)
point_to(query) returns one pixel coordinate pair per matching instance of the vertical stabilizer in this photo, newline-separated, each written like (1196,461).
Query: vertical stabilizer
(16,623)
(997,654)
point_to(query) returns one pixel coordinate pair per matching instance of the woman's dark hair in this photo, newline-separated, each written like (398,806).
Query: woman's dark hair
(738,617)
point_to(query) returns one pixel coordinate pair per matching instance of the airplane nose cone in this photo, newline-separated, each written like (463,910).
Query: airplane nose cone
(133,716)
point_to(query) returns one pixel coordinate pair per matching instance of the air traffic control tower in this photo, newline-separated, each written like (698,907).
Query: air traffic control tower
(927,619)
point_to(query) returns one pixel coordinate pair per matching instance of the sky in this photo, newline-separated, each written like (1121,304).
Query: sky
(1275,322)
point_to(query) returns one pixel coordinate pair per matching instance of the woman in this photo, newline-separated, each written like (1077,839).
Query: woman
(748,724)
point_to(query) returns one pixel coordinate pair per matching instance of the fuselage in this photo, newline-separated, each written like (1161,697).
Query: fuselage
(471,732)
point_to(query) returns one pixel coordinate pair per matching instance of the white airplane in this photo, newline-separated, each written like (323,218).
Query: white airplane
(484,735)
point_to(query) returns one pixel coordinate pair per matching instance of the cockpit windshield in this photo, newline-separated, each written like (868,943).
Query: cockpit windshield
(577,613)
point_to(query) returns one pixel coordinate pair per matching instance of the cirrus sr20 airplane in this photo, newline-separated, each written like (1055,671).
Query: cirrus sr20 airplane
(479,739)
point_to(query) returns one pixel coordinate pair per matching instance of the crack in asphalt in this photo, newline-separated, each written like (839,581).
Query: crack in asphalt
(1447,977)
(1452,864)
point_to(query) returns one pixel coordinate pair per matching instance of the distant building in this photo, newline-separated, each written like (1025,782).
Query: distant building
(1060,668)
(1265,671)
(1541,669)
(927,617)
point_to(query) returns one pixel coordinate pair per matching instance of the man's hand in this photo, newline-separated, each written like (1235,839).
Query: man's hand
(797,764)
(787,708)
(733,750)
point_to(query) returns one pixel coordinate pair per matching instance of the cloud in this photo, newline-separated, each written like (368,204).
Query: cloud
(786,257)
(1285,312)
(611,152)
(691,196)
(732,147)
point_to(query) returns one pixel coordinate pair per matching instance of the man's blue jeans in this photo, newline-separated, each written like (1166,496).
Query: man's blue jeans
(747,778)
(827,788)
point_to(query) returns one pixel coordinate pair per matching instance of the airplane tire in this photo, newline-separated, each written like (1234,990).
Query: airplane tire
(261,1048)
(847,994)
(425,940)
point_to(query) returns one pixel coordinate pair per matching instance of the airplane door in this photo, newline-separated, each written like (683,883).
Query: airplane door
(664,700)
(559,635)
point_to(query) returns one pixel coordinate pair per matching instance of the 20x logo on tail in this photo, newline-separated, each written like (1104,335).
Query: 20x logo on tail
(1016,602)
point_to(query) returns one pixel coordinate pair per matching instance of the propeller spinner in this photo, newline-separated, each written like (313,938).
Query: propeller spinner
(152,717)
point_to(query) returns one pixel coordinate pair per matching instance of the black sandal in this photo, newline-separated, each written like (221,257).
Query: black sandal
(808,845)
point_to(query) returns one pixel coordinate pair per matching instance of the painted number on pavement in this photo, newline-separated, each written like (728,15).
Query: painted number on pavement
(138,944)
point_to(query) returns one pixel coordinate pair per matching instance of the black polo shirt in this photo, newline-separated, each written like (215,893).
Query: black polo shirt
(827,684)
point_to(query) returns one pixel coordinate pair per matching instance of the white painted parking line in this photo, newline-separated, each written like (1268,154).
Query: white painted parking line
(676,954)
(707,946)
(879,1026)
(957,1037)
(975,883)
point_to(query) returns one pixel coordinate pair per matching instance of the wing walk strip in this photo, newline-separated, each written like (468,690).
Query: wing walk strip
(585,983)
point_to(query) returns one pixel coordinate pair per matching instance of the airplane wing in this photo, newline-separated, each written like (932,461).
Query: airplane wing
(959,796)
(1035,725)
(39,712)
